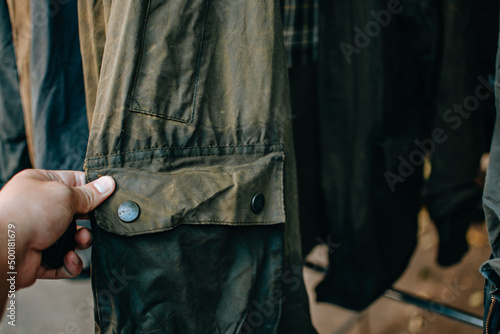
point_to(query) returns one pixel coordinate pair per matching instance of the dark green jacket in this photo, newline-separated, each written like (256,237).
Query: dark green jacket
(190,111)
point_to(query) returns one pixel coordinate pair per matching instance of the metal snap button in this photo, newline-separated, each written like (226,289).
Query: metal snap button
(128,211)
(258,202)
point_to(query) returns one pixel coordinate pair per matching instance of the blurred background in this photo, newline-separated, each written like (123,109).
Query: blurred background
(392,111)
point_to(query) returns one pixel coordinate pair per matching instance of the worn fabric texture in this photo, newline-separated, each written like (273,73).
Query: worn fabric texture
(191,117)
(13,145)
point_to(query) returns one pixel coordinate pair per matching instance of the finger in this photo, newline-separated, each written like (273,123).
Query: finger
(88,197)
(70,178)
(73,266)
(83,238)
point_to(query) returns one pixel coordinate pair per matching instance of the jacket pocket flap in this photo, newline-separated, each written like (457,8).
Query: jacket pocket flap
(246,193)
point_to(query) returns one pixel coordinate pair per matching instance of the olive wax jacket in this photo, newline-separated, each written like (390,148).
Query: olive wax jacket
(189,110)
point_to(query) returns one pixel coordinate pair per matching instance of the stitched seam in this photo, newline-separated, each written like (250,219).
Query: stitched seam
(143,37)
(104,164)
(161,148)
(152,113)
(216,222)
(156,113)
(140,106)
(282,183)
(195,93)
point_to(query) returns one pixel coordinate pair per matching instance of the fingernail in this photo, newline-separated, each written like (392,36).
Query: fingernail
(76,259)
(104,184)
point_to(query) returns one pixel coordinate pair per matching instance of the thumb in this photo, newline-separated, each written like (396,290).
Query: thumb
(88,197)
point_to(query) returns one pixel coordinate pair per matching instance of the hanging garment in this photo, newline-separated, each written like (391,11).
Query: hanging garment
(305,120)
(191,118)
(51,82)
(60,128)
(358,114)
(14,155)
(19,12)
(300,31)
(365,117)
(464,102)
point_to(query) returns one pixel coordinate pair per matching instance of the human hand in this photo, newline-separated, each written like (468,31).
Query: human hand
(41,205)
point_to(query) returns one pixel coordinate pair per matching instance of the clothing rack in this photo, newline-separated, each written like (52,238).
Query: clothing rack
(405,297)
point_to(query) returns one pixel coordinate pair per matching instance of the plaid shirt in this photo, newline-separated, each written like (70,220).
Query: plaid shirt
(300,30)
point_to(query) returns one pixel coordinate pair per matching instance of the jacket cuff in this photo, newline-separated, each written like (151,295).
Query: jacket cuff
(233,190)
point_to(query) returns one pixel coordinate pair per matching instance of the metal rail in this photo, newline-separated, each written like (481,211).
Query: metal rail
(441,309)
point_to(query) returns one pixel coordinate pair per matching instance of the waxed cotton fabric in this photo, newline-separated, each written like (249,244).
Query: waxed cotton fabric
(189,110)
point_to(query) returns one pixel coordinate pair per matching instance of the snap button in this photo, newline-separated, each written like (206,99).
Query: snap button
(258,202)
(128,211)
